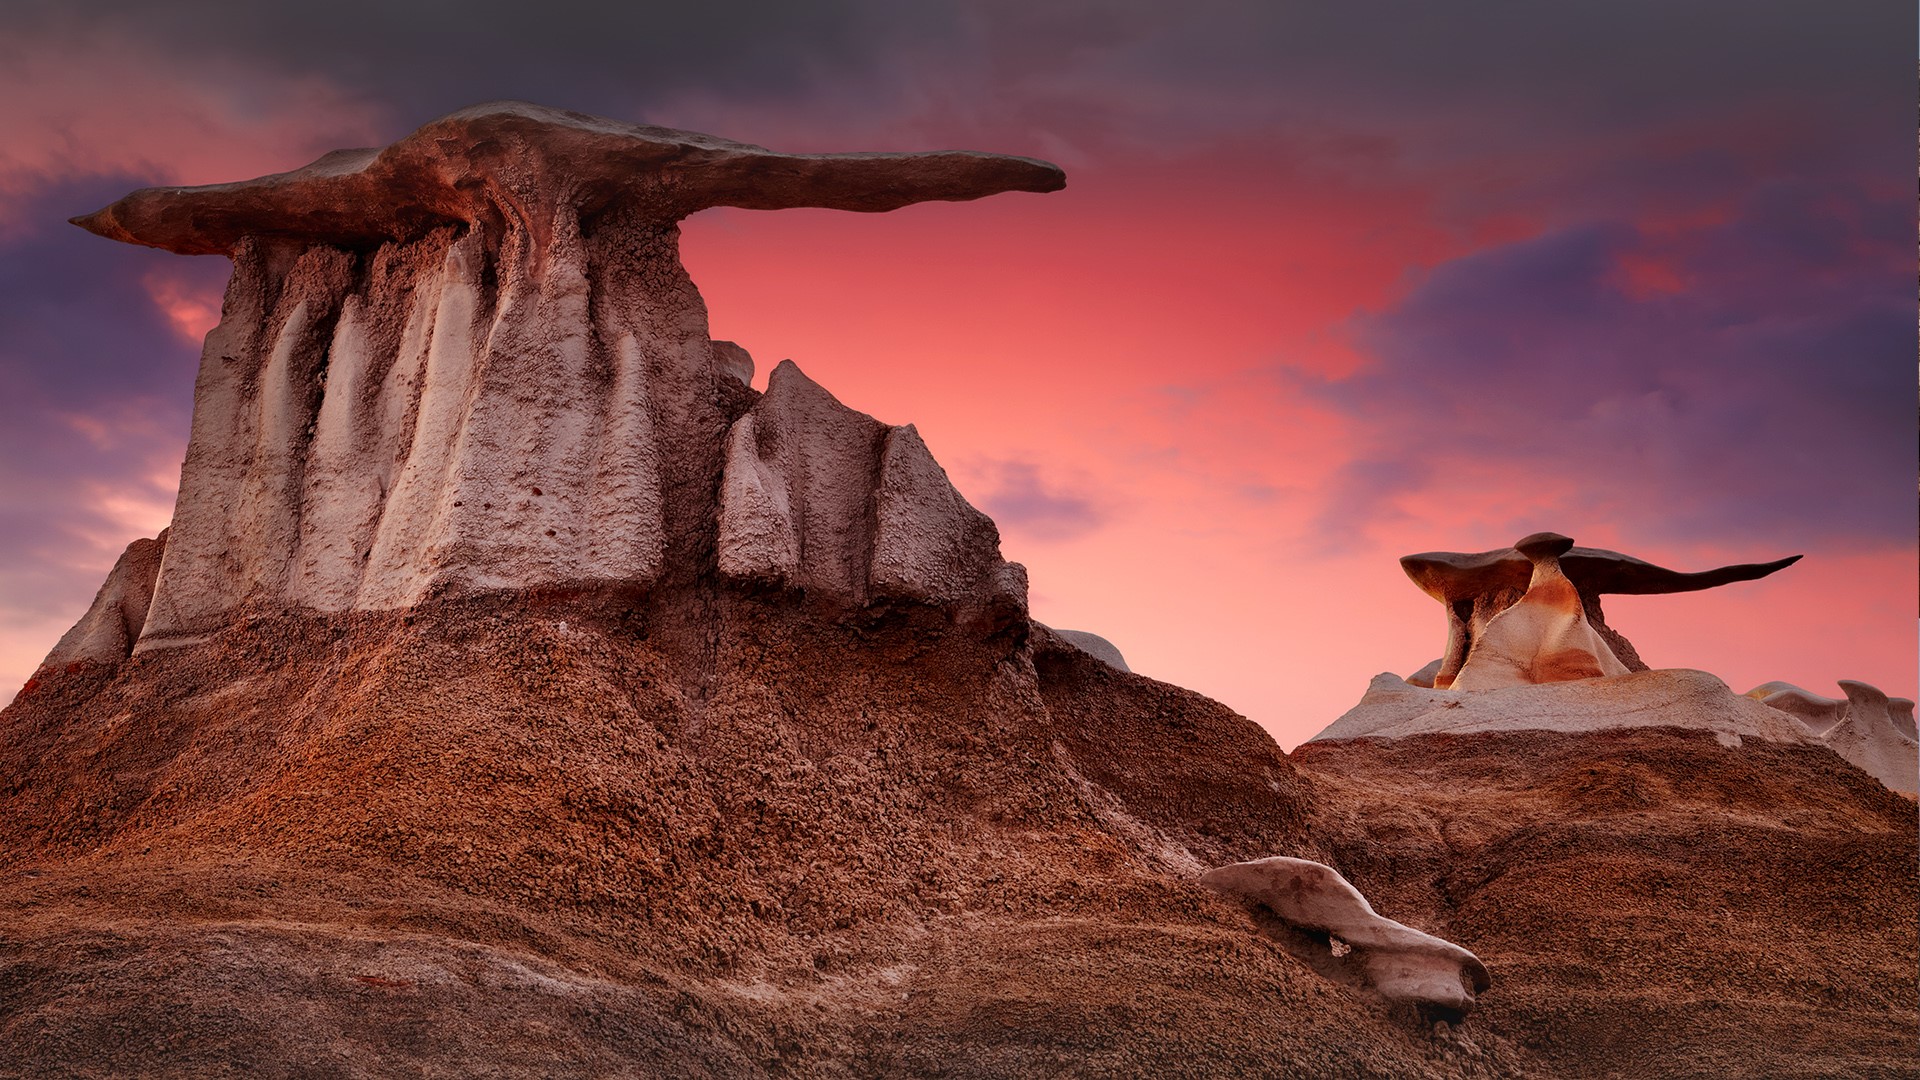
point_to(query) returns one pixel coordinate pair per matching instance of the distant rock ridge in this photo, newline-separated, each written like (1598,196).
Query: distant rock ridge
(473,361)
(1393,708)
(1867,727)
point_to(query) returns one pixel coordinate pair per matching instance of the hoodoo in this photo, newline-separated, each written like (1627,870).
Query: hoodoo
(1478,588)
(472,361)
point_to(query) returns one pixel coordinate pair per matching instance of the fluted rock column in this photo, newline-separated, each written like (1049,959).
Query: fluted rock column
(472,360)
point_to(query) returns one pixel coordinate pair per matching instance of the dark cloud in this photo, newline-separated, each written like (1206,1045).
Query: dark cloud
(1760,383)
(427,58)
(1021,499)
(1457,78)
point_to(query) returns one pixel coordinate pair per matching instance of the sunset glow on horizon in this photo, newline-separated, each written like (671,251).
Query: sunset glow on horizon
(1287,322)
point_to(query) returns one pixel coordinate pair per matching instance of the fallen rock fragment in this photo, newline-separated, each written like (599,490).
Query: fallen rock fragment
(1391,959)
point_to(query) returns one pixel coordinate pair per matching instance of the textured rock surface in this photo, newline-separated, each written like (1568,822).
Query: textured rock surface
(1394,960)
(1544,637)
(828,501)
(509,162)
(472,361)
(106,633)
(687,834)
(1868,728)
(1475,588)
(1651,903)
(1672,697)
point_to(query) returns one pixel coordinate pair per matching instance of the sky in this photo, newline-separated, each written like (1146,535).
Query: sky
(1328,284)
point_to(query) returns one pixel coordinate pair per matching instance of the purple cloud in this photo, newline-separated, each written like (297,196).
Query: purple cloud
(1761,382)
(1021,499)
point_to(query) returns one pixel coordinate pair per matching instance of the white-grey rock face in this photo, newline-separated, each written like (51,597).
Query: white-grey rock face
(1671,697)
(1392,959)
(472,361)
(820,498)
(1873,731)
(107,631)
(1095,646)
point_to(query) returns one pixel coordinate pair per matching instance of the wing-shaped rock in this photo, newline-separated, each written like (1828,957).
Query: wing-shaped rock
(1476,587)
(1544,637)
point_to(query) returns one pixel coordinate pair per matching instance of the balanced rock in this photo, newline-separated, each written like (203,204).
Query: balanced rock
(1396,961)
(1545,636)
(472,361)
(1476,588)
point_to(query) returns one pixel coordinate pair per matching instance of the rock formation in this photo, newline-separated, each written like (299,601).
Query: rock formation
(1671,697)
(1868,728)
(472,361)
(521,693)
(1396,961)
(1545,636)
(1094,645)
(1476,588)
(112,622)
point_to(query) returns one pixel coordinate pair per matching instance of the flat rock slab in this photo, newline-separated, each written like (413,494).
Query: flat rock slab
(1672,697)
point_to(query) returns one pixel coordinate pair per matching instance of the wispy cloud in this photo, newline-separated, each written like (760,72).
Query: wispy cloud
(1019,498)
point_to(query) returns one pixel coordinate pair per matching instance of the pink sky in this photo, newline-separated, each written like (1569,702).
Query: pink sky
(1287,322)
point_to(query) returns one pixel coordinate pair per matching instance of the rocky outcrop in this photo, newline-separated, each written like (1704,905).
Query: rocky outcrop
(472,361)
(1391,959)
(1671,697)
(1868,728)
(106,633)
(830,502)
(1476,588)
(1648,899)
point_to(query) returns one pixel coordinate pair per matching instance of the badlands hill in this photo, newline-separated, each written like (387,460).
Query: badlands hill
(518,692)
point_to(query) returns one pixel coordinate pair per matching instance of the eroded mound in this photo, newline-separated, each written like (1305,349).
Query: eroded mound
(1652,903)
(699,834)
